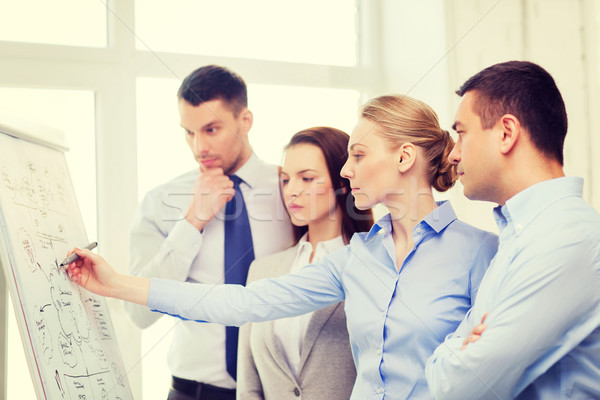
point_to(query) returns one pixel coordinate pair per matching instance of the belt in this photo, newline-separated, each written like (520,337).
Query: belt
(199,390)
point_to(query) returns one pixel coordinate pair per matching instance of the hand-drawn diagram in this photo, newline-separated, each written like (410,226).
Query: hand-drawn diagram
(70,332)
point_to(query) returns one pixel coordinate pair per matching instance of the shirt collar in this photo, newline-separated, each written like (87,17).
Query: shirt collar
(441,217)
(384,224)
(250,171)
(523,207)
(437,220)
(329,246)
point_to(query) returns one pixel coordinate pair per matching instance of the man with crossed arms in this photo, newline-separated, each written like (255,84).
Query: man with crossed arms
(533,332)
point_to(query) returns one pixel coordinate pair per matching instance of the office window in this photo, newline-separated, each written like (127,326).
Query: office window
(162,151)
(73,113)
(281,111)
(66,22)
(310,31)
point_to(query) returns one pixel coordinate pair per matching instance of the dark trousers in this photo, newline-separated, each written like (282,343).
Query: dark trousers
(183,389)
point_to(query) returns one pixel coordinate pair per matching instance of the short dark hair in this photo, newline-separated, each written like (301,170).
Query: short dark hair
(334,146)
(213,82)
(528,92)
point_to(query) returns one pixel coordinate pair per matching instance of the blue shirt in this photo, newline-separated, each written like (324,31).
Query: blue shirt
(395,319)
(542,295)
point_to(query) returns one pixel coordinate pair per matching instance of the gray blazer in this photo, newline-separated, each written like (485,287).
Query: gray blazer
(326,368)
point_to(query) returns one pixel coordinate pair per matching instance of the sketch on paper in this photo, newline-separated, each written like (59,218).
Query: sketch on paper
(69,330)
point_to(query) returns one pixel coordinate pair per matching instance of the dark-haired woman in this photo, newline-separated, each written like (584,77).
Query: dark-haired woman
(310,352)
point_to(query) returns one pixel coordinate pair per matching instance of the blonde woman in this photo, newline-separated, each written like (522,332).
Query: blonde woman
(407,283)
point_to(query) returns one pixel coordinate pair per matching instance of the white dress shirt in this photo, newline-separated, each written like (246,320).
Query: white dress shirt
(291,331)
(165,245)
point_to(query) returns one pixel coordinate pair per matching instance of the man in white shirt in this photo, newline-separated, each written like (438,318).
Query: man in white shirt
(179,230)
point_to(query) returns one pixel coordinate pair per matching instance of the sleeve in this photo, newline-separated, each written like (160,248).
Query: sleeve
(156,253)
(543,309)
(485,252)
(314,287)
(249,386)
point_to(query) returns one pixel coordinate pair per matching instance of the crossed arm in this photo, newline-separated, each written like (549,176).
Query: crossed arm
(534,306)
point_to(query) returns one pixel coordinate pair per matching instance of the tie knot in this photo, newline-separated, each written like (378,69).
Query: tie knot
(236,180)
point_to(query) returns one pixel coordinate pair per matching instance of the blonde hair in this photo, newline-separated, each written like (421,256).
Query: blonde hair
(405,119)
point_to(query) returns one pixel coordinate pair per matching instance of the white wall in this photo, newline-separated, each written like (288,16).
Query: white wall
(431,47)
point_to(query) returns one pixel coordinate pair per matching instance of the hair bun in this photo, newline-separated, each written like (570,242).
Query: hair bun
(446,172)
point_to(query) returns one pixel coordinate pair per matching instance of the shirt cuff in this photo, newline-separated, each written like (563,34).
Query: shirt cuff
(185,240)
(162,295)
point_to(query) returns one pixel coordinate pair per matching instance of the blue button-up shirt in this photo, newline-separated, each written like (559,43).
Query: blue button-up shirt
(542,296)
(395,318)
